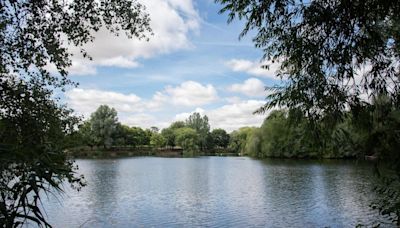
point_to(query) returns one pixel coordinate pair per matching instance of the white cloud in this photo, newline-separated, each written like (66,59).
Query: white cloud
(135,111)
(119,61)
(252,87)
(232,116)
(233,100)
(171,22)
(87,101)
(254,67)
(189,93)
(143,120)
(183,116)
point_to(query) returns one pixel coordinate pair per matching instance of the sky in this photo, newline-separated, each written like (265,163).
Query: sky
(194,62)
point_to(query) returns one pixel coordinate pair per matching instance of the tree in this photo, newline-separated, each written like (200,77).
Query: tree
(201,126)
(121,135)
(147,136)
(177,124)
(170,133)
(157,140)
(154,129)
(169,136)
(87,134)
(103,123)
(34,35)
(187,138)
(220,137)
(32,158)
(238,139)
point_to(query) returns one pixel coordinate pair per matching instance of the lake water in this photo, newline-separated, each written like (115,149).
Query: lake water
(216,192)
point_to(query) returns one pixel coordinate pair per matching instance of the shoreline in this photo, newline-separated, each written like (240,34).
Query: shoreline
(110,154)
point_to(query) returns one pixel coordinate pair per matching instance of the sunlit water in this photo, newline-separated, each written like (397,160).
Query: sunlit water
(216,192)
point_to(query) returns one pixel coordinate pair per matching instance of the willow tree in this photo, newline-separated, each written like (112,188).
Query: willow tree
(33,35)
(334,56)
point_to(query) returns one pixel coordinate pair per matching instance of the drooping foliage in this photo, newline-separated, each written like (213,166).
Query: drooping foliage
(330,52)
(336,58)
(238,139)
(35,36)
(32,161)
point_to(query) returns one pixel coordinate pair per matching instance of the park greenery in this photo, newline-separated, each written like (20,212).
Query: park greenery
(103,131)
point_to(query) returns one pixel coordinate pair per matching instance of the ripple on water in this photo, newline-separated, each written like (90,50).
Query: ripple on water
(216,192)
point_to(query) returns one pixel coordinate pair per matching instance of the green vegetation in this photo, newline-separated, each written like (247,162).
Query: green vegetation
(33,125)
(102,134)
(238,139)
(219,138)
(280,137)
(188,139)
(339,61)
(103,124)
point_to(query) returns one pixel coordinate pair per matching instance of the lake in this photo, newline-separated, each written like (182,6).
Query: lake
(216,192)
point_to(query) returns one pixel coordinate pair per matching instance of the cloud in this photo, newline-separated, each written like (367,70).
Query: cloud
(189,93)
(254,67)
(135,111)
(184,115)
(171,22)
(233,100)
(86,101)
(252,87)
(143,120)
(234,116)
(231,116)
(119,61)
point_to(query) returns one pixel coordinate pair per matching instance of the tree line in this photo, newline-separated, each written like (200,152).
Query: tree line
(286,133)
(103,130)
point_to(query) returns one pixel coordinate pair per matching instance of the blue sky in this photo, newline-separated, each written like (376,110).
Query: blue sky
(194,62)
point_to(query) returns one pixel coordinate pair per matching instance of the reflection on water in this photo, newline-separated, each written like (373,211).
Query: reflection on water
(217,192)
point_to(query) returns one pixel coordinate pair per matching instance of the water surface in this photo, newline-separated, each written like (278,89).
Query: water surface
(216,192)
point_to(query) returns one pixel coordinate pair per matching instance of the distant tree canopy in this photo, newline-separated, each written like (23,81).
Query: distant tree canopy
(34,37)
(169,135)
(239,138)
(220,138)
(103,123)
(157,140)
(102,129)
(201,126)
(188,139)
(193,135)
